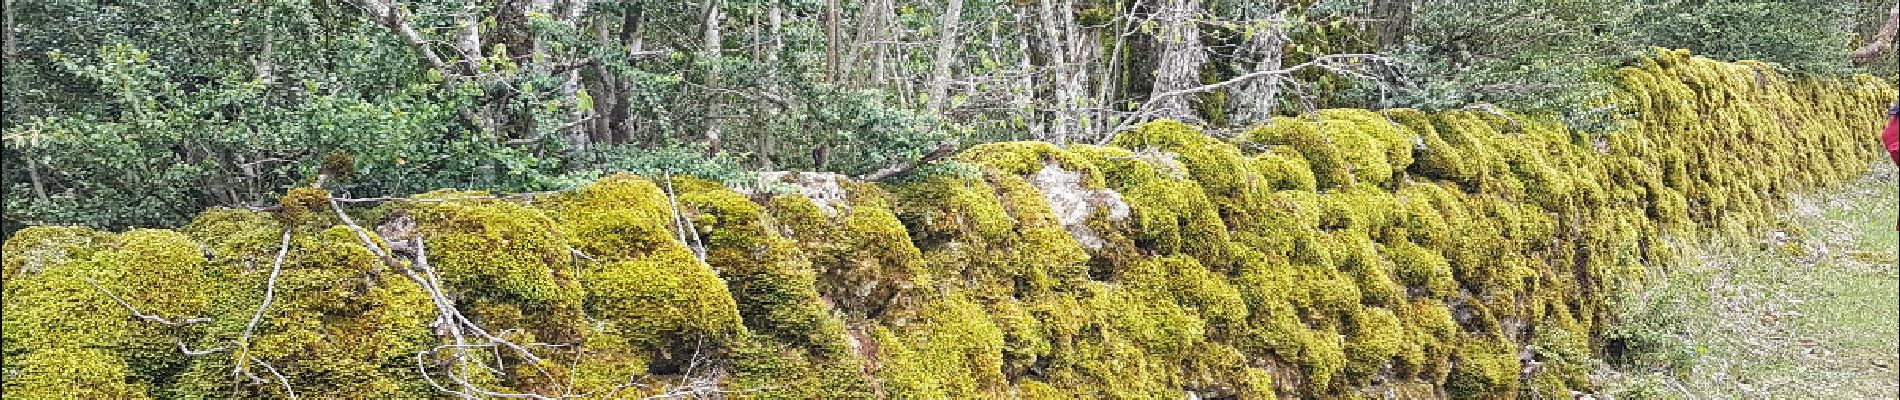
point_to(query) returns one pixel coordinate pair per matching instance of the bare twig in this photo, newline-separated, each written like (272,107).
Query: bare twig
(194,353)
(270,290)
(682,223)
(900,167)
(144,316)
(280,377)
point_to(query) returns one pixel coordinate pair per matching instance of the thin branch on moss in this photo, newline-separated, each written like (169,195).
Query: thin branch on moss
(685,225)
(270,293)
(470,389)
(270,290)
(581,255)
(194,353)
(280,377)
(515,196)
(144,316)
(374,248)
(451,320)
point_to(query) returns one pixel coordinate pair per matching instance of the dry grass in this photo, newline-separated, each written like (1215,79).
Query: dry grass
(1807,313)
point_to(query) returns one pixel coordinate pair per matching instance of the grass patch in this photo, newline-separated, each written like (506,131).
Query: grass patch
(1806,312)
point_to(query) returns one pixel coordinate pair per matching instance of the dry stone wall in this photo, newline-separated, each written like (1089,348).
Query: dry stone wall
(1349,253)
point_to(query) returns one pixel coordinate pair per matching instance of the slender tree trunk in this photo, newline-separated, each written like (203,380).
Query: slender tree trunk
(1112,70)
(1255,100)
(946,55)
(6,33)
(1056,49)
(873,37)
(468,38)
(33,173)
(633,37)
(1026,83)
(1179,66)
(833,42)
(1393,19)
(776,44)
(599,130)
(713,45)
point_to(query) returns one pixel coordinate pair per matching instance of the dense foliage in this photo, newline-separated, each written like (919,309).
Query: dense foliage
(140,113)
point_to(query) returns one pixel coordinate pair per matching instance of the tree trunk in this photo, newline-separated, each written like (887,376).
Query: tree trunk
(468,38)
(1025,98)
(775,30)
(1255,100)
(713,45)
(633,37)
(1883,40)
(1393,19)
(33,173)
(601,88)
(1179,66)
(832,40)
(7,48)
(1056,48)
(946,55)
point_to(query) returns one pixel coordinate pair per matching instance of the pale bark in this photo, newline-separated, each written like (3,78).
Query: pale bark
(776,35)
(946,55)
(712,43)
(1883,40)
(1056,48)
(1182,54)
(33,173)
(1255,100)
(833,41)
(468,38)
(1025,86)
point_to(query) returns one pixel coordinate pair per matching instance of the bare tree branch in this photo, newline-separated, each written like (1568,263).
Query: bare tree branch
(194,353)
(280,377)
(1883,40)
(144,316)
(270,292)
(900,167)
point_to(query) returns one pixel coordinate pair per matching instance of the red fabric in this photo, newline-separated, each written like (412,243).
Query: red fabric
(1891,137)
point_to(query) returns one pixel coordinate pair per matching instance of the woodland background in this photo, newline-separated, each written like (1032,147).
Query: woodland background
(122,114)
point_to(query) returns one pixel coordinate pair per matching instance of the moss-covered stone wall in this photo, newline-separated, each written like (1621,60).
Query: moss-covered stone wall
(1345,254)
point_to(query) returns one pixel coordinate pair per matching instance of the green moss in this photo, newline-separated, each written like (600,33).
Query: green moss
(790,333)
(1330,167)
(34,249)
(64,307)
(341,324)
(1422,269)
(491,250)
(1346,254)
(1285,169)
(1374,338)
(71,373)
(301,204)
(1216,166)
(1124,168)
(1430,327)
(1027,158)
(1176,217)
(952,351)
(1483,368)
